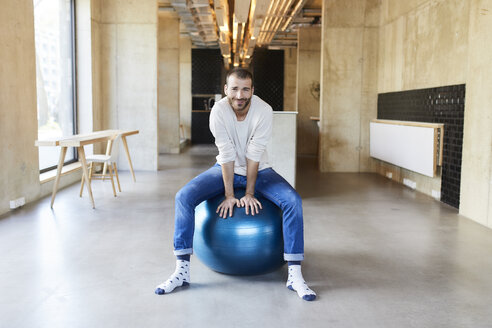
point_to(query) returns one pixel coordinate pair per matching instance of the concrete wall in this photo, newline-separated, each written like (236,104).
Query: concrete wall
(19,176)
(308,79)
(420,44)
(128,39)
(168,82)
(423,44)
(117,86)
(433,43)
(185,86)
(348,83)
(290,79)
(368,47)
(476,169)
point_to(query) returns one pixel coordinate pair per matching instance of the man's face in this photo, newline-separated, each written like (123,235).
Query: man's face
(238,92)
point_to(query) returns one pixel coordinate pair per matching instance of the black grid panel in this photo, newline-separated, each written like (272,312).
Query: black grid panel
(434,105)
(268,70)
(206,71)
(200,103)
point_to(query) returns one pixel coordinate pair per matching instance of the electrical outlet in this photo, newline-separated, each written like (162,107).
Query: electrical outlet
(389,175)
(436,194)
(410,184)
(17,202)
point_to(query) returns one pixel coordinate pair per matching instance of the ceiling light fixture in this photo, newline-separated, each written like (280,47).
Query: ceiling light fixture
(279,17)
(236,26)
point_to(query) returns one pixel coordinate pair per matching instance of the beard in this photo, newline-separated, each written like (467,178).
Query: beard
(242,105)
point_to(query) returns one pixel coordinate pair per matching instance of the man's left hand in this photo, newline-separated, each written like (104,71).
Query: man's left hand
(250,203)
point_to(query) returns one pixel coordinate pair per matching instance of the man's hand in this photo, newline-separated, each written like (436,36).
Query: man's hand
(227,206)
(250,203)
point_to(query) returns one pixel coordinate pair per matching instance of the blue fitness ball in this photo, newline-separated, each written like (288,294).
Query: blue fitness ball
(241,244)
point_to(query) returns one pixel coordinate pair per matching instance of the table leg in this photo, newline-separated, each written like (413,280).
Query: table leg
(125,145)
(63,152)
(109,145)
(86,173)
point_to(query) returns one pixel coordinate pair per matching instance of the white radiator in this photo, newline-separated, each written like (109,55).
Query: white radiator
(415,146)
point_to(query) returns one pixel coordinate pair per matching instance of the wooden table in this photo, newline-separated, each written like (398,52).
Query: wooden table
(79,141)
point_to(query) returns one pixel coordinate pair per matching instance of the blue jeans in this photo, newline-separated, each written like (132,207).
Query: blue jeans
(269,184)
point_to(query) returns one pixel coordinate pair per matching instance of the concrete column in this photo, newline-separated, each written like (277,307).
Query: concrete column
(185,86)
(308,89)
(129,76)
(347,101)
(168,82)
(476,171)
(341,81)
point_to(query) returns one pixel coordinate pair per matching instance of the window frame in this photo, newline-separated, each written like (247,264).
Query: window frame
(74,87)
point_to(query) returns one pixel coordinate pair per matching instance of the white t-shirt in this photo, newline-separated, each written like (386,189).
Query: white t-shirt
(238,140)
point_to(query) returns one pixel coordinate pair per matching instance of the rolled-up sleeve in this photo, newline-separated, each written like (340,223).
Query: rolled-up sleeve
(259,140)
(227,153)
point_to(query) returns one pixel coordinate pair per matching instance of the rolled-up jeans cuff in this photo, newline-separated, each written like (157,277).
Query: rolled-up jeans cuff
(185,251)
(293,257)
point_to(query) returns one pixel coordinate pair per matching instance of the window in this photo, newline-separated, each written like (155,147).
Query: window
(55,76)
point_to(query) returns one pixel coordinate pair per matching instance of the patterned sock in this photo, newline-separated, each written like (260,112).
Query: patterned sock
(185,257)
(296,283)
(180,277)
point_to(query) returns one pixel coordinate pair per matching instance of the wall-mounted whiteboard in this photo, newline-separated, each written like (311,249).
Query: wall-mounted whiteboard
(411,145)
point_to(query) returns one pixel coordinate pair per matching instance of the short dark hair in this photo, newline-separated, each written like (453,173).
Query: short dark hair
(241,73)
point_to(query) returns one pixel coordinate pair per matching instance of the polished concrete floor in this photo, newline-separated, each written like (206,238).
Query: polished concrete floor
(377,253)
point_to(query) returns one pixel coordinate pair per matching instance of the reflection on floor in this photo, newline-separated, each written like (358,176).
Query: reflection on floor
(377,253)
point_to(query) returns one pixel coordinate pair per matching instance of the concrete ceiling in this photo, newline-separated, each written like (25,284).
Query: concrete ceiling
(199,22)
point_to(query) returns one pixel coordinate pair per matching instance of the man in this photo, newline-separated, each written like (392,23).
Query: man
(241,124)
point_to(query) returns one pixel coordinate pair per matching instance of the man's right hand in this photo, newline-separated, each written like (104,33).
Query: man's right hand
(227,206)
